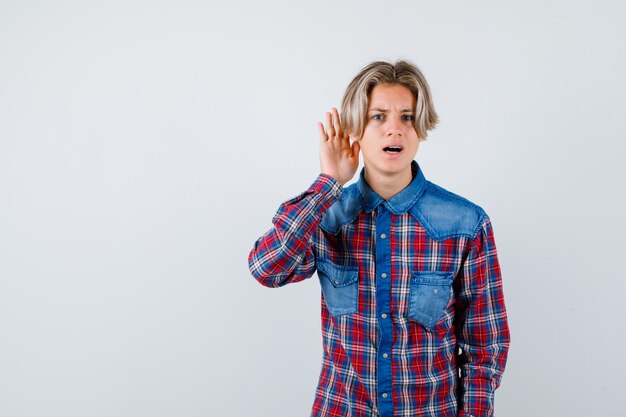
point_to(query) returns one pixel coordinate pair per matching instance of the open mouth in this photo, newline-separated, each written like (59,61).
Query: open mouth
(393,149)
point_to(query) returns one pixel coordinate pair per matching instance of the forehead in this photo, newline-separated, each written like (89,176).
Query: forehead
(391,96)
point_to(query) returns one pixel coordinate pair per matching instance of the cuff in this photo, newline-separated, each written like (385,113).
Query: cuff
(325,183)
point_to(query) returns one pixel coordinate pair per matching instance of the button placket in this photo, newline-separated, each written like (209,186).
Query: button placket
(383,310)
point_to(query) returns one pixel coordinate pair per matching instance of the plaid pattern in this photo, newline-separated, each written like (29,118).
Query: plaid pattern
(413,315)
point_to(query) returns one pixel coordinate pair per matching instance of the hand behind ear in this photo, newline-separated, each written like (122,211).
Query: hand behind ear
(338,158)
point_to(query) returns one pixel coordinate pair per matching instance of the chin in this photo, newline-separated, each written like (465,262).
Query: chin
(389,167)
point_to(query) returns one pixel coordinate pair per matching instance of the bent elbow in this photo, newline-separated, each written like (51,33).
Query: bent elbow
(262,273)
(265,279)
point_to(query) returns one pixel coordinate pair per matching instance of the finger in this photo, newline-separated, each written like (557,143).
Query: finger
(330,130)
(323,136)
(337,123)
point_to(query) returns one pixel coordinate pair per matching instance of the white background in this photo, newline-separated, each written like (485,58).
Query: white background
(145,146)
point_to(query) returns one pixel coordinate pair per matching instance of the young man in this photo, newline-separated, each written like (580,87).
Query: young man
(413,314)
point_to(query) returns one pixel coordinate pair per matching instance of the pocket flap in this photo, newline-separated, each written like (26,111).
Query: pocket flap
(338,275)
(432,277)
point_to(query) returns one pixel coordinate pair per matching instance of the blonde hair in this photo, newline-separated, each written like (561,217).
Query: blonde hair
(356,97)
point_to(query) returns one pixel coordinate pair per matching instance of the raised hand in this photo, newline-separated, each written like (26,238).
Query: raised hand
(338,158)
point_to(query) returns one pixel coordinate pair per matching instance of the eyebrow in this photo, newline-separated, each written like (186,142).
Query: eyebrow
(385,111)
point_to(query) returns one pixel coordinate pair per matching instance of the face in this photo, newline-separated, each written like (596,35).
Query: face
(390,118)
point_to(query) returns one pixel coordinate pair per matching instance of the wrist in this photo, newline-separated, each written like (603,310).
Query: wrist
(335,177)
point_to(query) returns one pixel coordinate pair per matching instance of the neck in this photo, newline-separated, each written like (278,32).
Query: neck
(388,185)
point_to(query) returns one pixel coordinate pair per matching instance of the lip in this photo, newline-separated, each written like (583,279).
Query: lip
(394,144)
(393,155)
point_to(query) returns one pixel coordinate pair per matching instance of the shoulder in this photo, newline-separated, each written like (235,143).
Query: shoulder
(343,211)
(445,214)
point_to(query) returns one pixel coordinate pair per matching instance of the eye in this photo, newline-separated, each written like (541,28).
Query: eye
(378,115)
(408,117)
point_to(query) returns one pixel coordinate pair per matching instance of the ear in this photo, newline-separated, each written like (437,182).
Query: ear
(352,136)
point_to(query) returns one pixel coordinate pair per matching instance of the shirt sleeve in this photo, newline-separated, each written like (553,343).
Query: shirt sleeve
(284,254)
(482,328)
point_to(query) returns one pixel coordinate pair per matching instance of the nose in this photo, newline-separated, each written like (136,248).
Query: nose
(394,127)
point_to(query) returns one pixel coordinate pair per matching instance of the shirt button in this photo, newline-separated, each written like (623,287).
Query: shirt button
(382,236)
(384,275)
(385,395)
(435,291)
(385,355)
(336,282)
(384,315)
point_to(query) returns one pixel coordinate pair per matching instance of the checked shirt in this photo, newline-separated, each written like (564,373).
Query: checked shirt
(413,315)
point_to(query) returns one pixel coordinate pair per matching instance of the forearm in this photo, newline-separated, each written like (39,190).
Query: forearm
(481,372)
(284,253)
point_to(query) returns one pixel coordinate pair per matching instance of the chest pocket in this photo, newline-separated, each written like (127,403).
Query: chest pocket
(429,295)
(340,286)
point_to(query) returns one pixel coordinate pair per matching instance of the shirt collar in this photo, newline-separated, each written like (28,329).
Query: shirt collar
(400,202)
